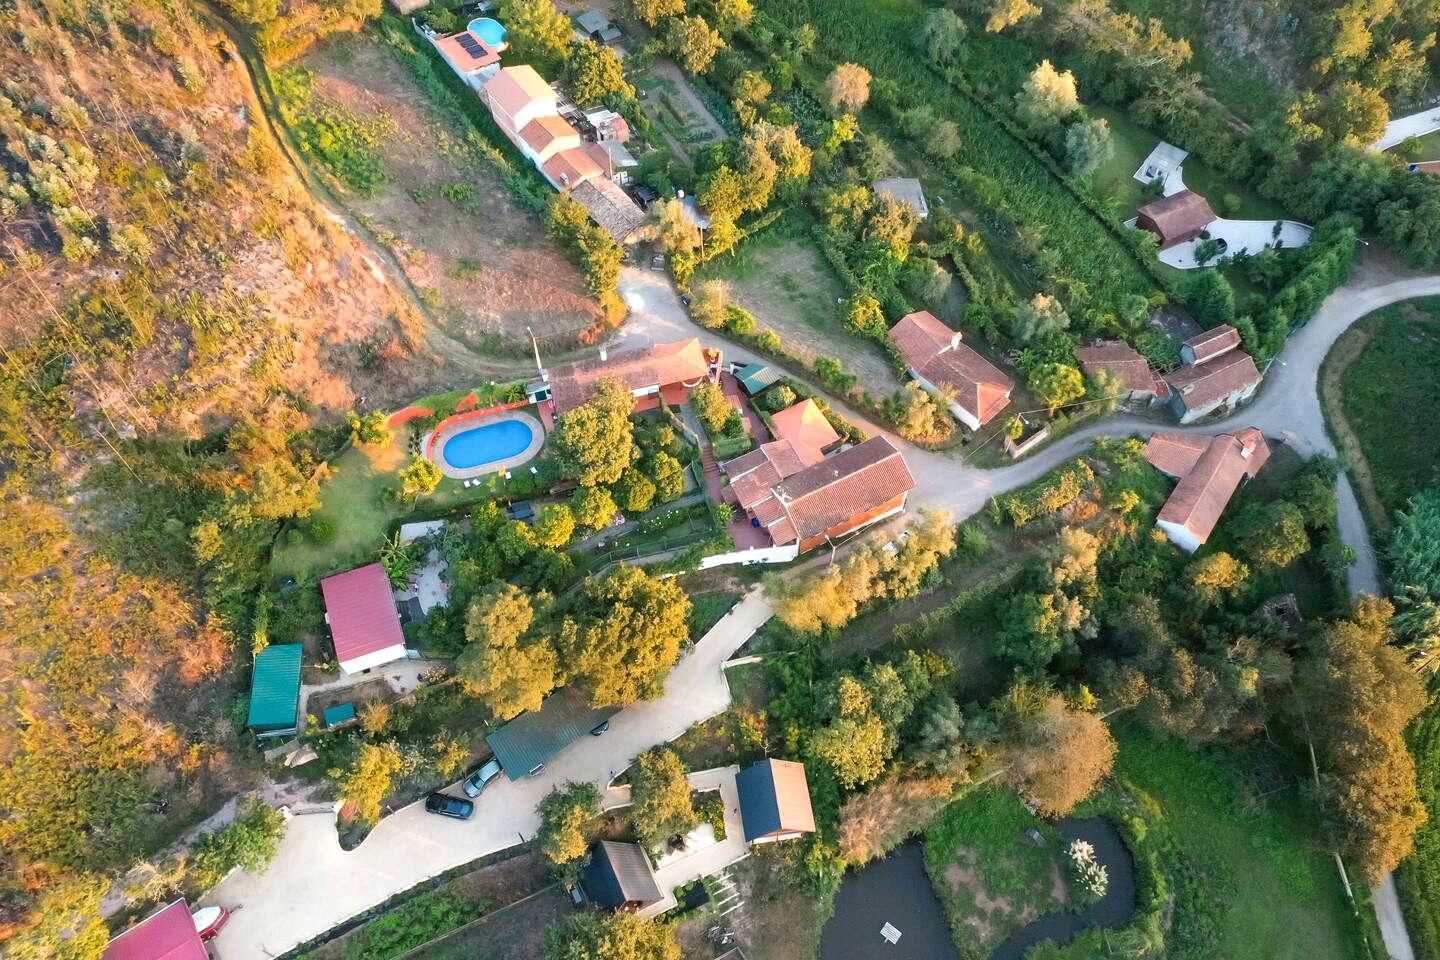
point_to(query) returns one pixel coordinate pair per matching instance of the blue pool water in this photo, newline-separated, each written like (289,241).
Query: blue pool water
(489,30)
(487,443)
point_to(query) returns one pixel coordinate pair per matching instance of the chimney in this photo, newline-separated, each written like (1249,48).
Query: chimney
(564,179)
(603,357)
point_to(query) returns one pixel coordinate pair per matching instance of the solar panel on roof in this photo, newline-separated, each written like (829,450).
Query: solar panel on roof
(471,45)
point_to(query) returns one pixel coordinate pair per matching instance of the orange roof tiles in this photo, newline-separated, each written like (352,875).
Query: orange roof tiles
(1213,342)
(806,425)
(543,131)
(935,352)
(682,361)
(515,88)
(844,486)
(1120,359)
(1208,383)
(1210,477)
(570,168)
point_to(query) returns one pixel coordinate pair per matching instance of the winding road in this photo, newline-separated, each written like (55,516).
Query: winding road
(314,885)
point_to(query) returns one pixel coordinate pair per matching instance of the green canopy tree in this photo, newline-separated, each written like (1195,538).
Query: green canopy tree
(538,33)
(693,43)
(507,671)
(593,508)
(569,821)
(660,796)
(595,442)
(554,525)
(623,635)
(618,936)
(594,74)
(369,779)
(418,477)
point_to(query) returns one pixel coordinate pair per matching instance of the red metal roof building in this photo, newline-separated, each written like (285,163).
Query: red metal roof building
(364,625)
(168,934)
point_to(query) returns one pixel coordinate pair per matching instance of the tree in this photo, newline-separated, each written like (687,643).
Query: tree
(1058,754)
(594,443)
(369,779)
(374,717)
(594,74)
(692,42)
(369,428)
(1355,695)
(1088,147)
(248,842)
(633,492)
(593,508)
(624,636)
(940,37)
(1007,13)
(780,397)
(675,232)
(653,11)
(1211,298)
(1414,549)
(1214,574)
(668,475)
(660,796)
(1043,315)
(510,676)
(864,315)
(618,936)
(917,415)
(1057,384)
(853,747)
(712,406)
(68,922)
(730,15)
(1272,534)
(569,821)
(554,526)
(538,33)
(848,87)
(1356,112)
(711,304)
(419,477)
(1047,98)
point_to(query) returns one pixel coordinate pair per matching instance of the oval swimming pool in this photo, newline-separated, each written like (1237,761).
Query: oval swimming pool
(488,29)
(487,443)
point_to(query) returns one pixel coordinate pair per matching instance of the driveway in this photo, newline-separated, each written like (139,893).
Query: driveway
(1403,128)
(314,885)
(1250,236)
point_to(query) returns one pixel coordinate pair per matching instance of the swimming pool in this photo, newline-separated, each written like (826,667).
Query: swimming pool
(487,443)
(488,29)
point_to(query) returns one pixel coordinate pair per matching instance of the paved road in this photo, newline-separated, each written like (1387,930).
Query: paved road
(1400,129)
(314,885)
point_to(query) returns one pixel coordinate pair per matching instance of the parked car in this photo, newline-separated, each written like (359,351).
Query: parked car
(209,921)
(448,806)
(685,299)
(480,778)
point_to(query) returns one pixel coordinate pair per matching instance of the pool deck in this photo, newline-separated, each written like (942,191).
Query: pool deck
(435,443)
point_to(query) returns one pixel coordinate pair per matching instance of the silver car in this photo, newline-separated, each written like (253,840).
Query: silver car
(480,778)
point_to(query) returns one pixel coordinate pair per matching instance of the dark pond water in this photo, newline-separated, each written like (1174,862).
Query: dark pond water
(1113,910)
(897,891)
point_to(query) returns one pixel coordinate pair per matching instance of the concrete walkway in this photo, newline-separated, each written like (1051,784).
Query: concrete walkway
(314,885)
(1399,130)
(1240,236)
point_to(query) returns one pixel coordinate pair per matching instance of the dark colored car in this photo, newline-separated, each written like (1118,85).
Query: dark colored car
(448,806)
(480,778)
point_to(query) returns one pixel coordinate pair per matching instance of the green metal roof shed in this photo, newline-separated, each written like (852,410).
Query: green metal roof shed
(755,377)
(275,689)
(525,744)
(340,713)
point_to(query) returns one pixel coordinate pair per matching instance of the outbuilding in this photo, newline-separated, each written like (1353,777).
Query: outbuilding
(364,624)
(1176,219)
(524,745)
(167,934)
(774,801)
(275,691)
(618,877)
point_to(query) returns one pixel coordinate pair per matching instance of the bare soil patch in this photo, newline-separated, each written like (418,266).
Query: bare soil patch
(482,259)
(789,287)
(777,922)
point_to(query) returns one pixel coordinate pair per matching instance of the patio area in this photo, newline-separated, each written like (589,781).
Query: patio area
(1164,163)
(1239,236)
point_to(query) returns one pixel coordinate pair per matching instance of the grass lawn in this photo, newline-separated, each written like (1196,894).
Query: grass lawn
(990,877)
(1383,398)
(1418,878)
(1249,871)
(1426,148)
(706,609)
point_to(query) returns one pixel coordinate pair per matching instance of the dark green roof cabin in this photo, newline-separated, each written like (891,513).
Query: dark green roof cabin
(275,691)
(525,744)
(755,377)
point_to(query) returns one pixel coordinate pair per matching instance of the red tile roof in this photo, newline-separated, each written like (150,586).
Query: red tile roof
(1213,342)
(543,131)
(805,424)
(683,361)
(844,486)
(1176,218)
(362,612)
(1205,384)
(168,934)
(515,88)
(1210,471)
(1122,360)
(464,60)
(935,352)
(570,168)
(753,475)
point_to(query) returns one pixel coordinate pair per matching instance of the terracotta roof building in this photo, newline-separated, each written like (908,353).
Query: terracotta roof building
(467,54)
(936,357)
(364,624)
(805,424)
(1124,362)
(645,372)
(1198,389)
(774,801)
(1210,470)
(618,877)
(810,505)
(1177,218)
(1208,345)
(167,934)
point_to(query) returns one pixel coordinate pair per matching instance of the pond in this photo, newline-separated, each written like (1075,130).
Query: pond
(897,891)
(1112,910)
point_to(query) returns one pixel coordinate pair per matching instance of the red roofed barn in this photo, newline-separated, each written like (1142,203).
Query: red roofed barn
(1126,365)
(1177,218)
(364,625)
(1210,470)
(666,369)
(936,358)
(1216,374)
